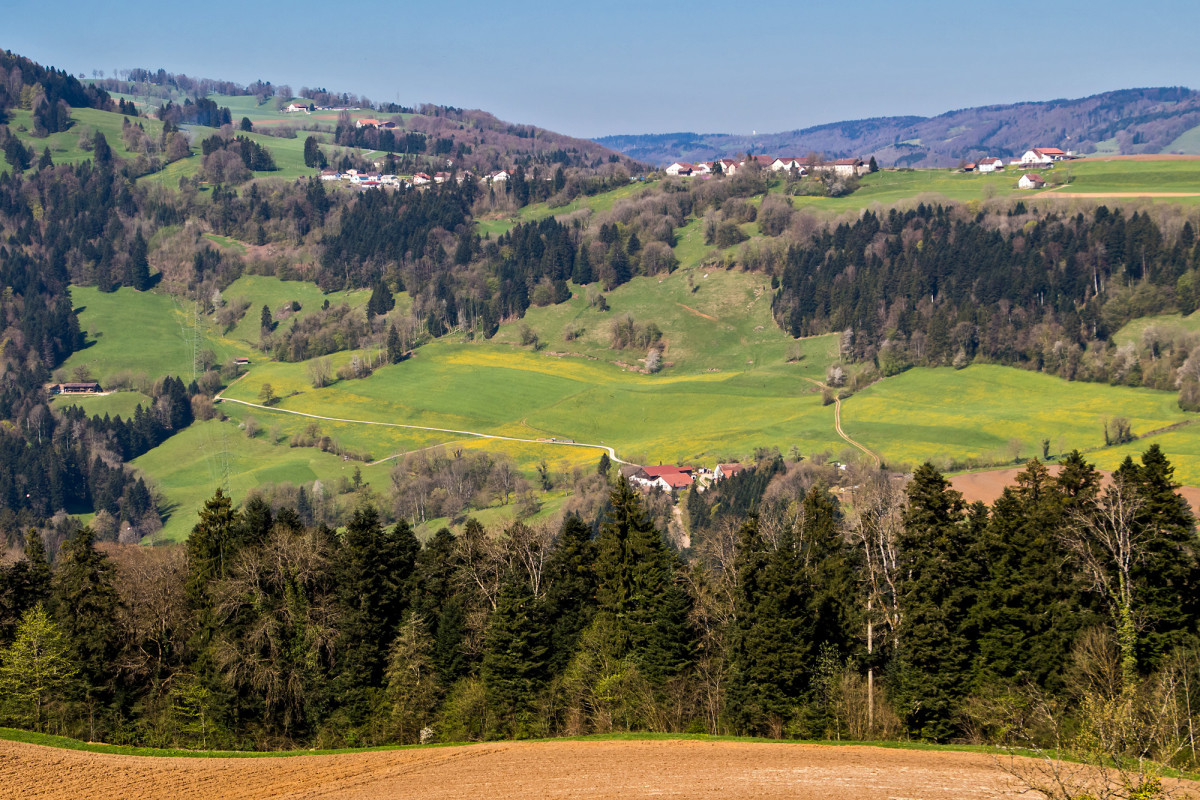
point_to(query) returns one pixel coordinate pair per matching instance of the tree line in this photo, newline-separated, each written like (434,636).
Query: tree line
(902,612)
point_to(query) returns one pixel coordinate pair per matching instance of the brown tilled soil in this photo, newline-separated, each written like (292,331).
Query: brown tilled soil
(987,486)
(680,769)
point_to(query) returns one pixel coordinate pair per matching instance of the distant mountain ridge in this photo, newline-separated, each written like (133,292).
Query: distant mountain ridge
(1127,121)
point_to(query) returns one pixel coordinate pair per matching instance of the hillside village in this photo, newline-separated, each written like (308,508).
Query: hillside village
(1036,157)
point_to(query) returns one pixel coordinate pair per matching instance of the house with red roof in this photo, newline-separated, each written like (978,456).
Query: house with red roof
(1043,155)
(363,122)
(990,164)
(1031,180)
(680,168)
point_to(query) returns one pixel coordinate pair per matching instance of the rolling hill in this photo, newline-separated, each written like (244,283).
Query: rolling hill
(1128,121)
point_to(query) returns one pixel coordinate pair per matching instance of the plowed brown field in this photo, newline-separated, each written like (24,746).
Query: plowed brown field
(588,769)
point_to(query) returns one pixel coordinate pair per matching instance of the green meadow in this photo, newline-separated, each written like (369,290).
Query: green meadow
(993,414)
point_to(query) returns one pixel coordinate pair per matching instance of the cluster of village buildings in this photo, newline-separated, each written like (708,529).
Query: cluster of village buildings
(671,478)
(1039,157)
(847,167)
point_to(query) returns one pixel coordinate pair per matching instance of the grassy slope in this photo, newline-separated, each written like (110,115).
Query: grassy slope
(728,390)
(1188,142)
(934,414)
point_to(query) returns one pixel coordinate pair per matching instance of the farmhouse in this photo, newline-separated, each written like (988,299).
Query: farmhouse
(501,175)
(330,175)
(83,387)
(727,470)
(1031,180)
(363,122)
(1043,155)
(441,177)
(242,361)
(783,164)
(293,108)
(990,164)
(680,168)
(420,179)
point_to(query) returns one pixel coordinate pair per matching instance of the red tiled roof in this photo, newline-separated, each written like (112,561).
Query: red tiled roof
(677,480)
(666,469)
(1049,151)
(847,162)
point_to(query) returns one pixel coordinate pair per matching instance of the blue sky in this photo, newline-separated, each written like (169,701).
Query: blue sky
(638,67)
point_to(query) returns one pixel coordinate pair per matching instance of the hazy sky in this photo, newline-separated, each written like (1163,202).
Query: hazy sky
(638,66)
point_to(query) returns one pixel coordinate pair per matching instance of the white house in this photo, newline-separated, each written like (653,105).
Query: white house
(849,166)
(502,175)
(783,164)
(680,168)
(293,108)
(1043,155)
(989,164)
(1031,180)
(420,179)
(363,122)
(703,168)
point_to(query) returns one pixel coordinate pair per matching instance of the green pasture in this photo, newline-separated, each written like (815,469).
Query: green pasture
(64,145)
(137,332)
(501,390)
(189,467)
(152,333)
(497,224)
(122,404)
(711,320)
(1188,142)
(1102,175)
(1169,325)
(994,414)
(276,294)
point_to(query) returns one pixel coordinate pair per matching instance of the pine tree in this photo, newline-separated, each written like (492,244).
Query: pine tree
(139,264)
(372,568)
(637,588)
(395,349)
(1028,612)
(514,655)
(583,274)
(570,589)
(84,600)
(215,541)
(937,593)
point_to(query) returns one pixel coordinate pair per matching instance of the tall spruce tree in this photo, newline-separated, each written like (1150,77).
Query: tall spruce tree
(570,589)
(84,601)
(637,588)
(934,661)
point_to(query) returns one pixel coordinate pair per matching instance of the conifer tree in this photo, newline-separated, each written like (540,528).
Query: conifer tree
(637,588)
(935,597)
(570,589)
(84,600)
(514,654)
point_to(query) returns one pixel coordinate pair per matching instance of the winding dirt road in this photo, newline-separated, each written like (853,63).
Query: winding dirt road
(837,422)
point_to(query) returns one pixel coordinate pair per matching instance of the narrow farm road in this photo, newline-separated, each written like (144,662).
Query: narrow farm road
(219,398)
(837,422)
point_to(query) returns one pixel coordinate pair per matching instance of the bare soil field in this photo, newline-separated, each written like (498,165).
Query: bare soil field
(987,486)
(587,769)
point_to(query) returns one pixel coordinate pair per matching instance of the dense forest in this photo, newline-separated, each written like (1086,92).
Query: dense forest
(906,613)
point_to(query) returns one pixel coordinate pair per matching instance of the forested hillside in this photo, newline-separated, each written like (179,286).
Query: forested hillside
(1125,121)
